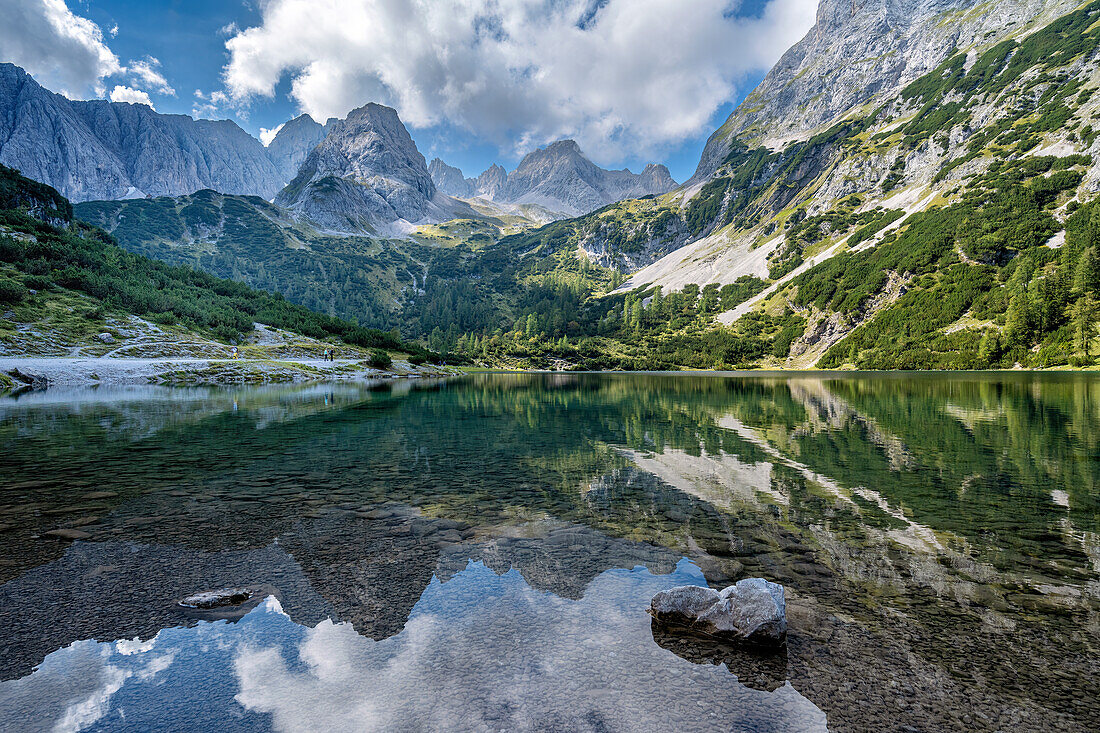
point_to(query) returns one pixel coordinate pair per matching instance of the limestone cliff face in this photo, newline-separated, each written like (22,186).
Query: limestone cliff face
(863,52)
(110,150)
(491,181)
(293,143)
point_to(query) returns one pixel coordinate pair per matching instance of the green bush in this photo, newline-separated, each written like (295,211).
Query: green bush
(12,292)
(380,360)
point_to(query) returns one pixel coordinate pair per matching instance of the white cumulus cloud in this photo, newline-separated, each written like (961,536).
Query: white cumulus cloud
(129,94)
(63,51)
(620,76)
(146,72)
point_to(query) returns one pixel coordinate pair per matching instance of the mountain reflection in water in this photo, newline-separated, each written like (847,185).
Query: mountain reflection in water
(478,554)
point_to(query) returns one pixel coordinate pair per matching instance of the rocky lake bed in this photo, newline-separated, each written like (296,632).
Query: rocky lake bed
(499,551)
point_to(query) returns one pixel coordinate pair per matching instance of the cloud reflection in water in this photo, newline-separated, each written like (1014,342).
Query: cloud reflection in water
(480,652)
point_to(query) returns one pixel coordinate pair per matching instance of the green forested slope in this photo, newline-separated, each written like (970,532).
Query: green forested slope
(43,249)
(957,221)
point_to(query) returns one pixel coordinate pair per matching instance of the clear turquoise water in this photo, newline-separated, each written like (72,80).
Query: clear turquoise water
(477,554)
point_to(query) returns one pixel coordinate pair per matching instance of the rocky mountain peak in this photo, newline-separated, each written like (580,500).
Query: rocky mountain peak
(560,178)
(372,141)
(366,175)
(657,178)
(450,180)
(491,182)
(864,52)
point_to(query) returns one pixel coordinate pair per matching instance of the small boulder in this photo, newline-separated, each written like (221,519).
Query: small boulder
(753,611)
(217,598)
(106,338)
(33,381)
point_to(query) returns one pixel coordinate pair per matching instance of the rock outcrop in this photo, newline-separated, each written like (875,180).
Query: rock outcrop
(114,150)
(450,180)
(753,611)
(217,598)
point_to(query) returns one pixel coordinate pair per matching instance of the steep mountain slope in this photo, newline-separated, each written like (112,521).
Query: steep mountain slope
(99,150)
(864,52)
(293,142)
(945,222)
(367,176)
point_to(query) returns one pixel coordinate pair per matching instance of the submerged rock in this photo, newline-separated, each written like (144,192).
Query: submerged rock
(757,668)
(752,611)
(217,598)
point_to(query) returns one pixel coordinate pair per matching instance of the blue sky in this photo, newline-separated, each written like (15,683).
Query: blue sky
(629,90)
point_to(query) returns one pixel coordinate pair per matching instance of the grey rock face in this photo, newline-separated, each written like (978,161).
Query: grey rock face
(752,611)
(293,143)
(491,182)
(111,150)
(365,175)
(450,180)
(863,51)
(560,178)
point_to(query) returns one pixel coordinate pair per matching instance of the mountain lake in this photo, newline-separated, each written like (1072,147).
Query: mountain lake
(479,553)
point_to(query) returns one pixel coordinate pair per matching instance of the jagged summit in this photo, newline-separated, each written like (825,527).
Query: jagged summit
(450,180)
(560,178)
(368,176)
(110,150)
(491,181)
(557,177)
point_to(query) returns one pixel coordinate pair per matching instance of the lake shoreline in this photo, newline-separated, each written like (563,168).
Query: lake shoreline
(95,371)
(83,371)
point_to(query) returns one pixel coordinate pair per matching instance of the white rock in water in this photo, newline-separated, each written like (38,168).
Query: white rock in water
(217,598)
(753,611)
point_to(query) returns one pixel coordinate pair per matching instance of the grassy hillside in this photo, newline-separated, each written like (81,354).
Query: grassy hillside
(52,265)
(245,238)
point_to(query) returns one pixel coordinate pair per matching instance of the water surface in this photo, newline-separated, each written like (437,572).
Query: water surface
(477,554)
